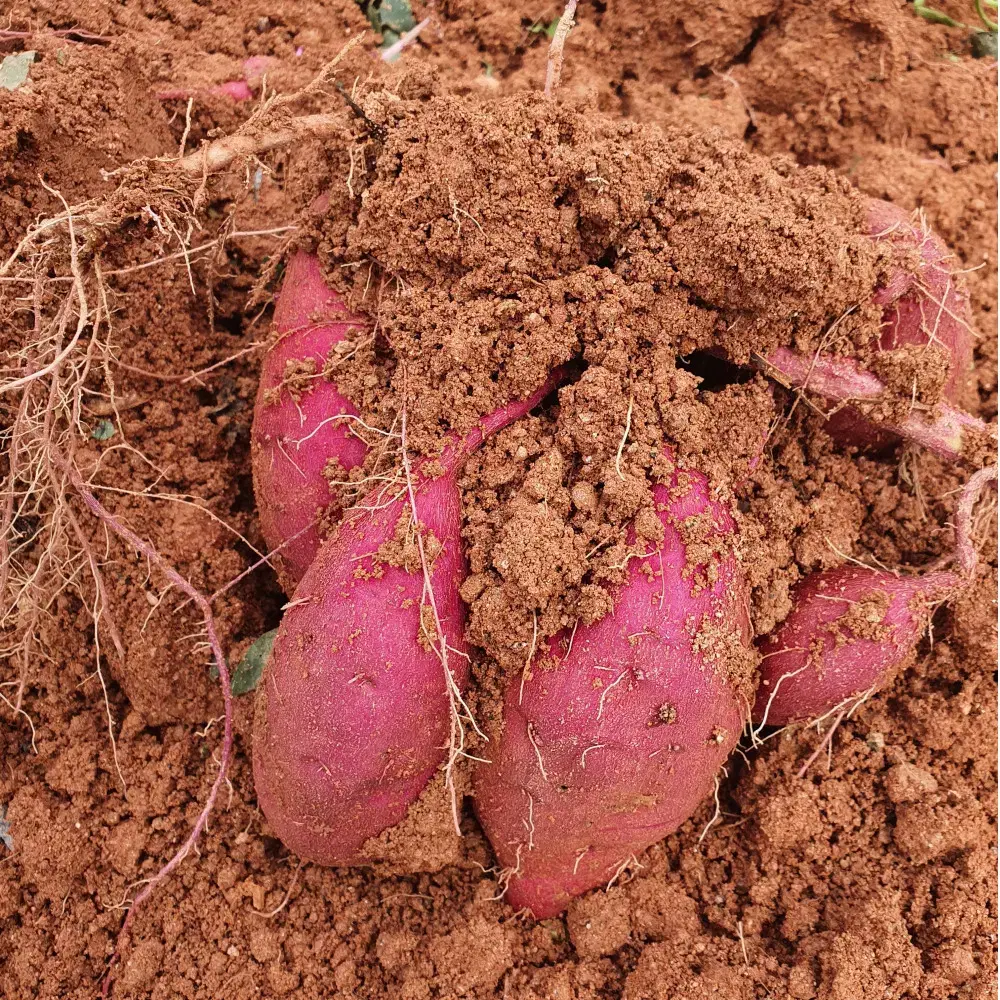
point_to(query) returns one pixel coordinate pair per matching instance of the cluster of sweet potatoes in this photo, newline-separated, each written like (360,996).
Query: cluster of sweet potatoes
(620,738)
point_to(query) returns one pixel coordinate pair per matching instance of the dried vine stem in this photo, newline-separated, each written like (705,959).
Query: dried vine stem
(553,69)
(220,153)
(145,184)
(270,126)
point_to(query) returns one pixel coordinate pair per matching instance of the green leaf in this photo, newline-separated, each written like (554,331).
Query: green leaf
(397,15)
(248,670)
(547,29)
(103,430)
(14,69)
(390,18)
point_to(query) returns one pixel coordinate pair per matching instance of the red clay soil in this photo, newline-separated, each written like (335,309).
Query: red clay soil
(871,877)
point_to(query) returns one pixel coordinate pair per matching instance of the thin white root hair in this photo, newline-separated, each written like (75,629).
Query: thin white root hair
(583,756)
(631,865)
(538,753)
(624,440)
(743,943)
(459,712)
(755,733)
(839,712)
(288,895)
(608,690)
(825,742)
(526,670)
(506,874)
(529,823)
(717,815)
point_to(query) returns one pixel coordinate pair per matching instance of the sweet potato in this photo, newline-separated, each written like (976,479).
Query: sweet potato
(616,738)
(358,703)
(296,435)
(254,70)
(922,304)
(849,629)
(925,304)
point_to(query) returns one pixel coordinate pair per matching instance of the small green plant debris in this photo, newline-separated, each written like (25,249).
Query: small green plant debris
(539,28)
(390,18)
(983,43)
(103,430)
(935,16)
(248,670)
(14,69)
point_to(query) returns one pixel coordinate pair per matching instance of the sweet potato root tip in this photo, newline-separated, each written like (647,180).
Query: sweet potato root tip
(850,628)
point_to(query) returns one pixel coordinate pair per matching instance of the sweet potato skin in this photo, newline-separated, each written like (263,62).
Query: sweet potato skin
(254,70)
(293,437)
(848,630)
(352,711)
(613,744)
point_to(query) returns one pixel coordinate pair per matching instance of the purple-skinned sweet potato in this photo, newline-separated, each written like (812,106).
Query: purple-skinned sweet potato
(617,736)
(922,304)
(355,710)
(848,630)
(254,70)
(295,434)
(925,304)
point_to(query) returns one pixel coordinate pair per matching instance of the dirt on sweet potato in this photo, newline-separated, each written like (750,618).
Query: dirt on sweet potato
(635,223)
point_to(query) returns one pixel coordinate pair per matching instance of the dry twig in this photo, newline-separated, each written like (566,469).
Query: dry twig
(553,69)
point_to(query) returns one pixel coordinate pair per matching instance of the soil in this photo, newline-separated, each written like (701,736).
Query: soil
(697,187)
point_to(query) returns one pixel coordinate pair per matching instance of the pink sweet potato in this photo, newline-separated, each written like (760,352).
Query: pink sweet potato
(254,70)
(849,629)
(925,304)
(295,434)
(922,304)
(614,741)
(356,707)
